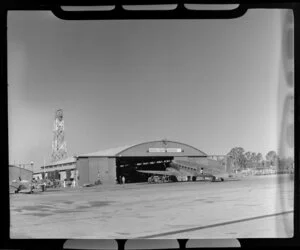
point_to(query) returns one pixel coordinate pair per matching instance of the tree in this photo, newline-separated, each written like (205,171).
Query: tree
(237,154)
(272,157)
(253,160)
(286,163)
(248,155)
(249,162)
(258,159)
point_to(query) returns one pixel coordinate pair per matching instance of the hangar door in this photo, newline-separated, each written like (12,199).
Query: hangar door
(129,167)
(103,170)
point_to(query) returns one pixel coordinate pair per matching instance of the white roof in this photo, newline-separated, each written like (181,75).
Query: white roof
(37,172)
(56,167)
(107,152)
(115,151)
(71,159)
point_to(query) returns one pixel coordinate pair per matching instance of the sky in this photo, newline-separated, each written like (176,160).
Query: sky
(211,84)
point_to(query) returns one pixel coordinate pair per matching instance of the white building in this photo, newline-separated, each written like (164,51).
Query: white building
(59,170)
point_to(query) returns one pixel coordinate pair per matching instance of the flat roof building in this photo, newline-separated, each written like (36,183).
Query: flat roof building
(58,170)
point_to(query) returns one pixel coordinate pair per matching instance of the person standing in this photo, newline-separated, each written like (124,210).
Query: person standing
(201,172)
(123,179)
(99,176)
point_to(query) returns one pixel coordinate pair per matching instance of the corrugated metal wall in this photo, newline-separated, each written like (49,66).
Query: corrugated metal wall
(105,168)
(83,170)
(90,168)
(95,166)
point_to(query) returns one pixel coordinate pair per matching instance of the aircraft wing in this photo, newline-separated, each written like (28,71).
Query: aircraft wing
(25,191)
(169,173)
(204,175)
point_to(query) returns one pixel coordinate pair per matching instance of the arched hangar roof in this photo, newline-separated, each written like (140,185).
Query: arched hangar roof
(149,149)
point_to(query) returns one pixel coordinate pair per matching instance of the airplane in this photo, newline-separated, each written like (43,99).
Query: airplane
(181,169)
(21,186)
(27,186)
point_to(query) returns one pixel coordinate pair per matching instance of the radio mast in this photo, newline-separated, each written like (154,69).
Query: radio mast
(59,145)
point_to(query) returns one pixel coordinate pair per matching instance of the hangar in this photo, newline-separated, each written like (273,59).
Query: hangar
(107,166)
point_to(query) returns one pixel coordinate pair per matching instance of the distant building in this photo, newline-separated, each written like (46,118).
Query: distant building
(62,170)
(16,175)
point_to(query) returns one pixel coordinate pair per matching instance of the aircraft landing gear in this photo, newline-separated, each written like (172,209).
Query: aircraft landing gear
(214,179)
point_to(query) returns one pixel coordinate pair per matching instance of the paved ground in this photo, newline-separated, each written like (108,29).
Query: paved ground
(252,207)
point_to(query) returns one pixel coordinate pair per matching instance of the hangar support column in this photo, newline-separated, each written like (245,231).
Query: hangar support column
(112,171)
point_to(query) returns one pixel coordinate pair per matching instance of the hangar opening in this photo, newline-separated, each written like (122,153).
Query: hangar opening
(129,167)
(107,166)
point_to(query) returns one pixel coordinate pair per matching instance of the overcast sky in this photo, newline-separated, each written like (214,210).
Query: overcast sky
(207,83)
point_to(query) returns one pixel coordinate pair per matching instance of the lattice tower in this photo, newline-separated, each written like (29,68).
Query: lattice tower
(59,145)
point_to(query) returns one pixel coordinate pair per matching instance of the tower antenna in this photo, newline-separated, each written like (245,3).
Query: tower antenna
(59,145)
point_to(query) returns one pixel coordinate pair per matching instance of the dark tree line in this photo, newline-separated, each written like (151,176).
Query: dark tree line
(242,159)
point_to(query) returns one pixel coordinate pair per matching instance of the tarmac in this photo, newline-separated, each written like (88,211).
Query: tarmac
(252,207)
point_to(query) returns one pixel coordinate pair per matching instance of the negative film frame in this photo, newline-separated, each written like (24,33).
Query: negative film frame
(119,13)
